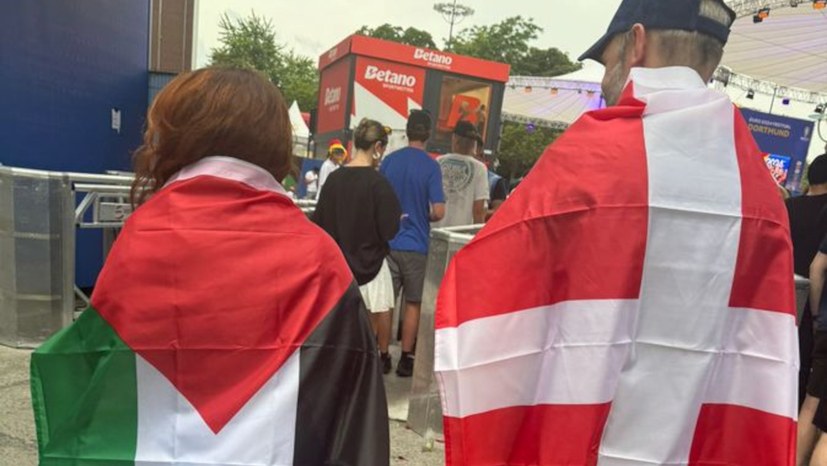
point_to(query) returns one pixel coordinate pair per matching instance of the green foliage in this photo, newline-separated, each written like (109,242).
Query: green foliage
(251,43)
(409,36)
(509,41)
(545,62)
(520,150)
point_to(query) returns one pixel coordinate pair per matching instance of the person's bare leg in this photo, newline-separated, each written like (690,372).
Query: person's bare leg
(820,453)
(374,324)
(382,328)
(410,326)
(807,432)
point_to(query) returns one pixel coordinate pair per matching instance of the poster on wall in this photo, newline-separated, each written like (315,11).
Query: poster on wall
(333,95)
(787,140)
(779,166)
(386,92)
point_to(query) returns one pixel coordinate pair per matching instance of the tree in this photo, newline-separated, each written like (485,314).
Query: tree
(545,62)
(509,41)
(251,43)
(521,147)
(409,36)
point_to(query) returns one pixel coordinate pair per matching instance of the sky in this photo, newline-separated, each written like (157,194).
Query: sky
(311,27)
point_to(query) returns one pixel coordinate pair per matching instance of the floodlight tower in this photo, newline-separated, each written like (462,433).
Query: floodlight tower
(453,13)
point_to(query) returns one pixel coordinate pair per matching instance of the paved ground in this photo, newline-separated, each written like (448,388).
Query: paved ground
(17,436)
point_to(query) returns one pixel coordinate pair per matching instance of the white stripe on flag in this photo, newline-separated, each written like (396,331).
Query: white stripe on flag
(262,433)
(572,367)
(560,354)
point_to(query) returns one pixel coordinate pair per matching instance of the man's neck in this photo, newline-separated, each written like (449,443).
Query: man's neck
(817,190)
(417,145)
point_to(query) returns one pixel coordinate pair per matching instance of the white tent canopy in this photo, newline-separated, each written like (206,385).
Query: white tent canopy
(301,133)
(553,102)
(777,66)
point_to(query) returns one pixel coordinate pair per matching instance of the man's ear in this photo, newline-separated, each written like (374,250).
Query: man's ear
(639,45)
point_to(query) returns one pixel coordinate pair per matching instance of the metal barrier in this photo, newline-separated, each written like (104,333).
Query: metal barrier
(40,212)
(104,205)
(425,411)
(35,272)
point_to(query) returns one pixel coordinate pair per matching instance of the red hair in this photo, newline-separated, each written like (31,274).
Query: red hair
(213,111)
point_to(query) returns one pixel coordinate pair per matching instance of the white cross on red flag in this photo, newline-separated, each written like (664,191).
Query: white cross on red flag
(633,302)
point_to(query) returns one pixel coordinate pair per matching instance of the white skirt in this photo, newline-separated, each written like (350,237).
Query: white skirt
(378,294)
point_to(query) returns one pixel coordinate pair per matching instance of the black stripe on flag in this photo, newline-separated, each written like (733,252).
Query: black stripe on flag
(342,416)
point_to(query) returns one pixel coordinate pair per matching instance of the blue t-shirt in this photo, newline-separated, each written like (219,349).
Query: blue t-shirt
(417,181)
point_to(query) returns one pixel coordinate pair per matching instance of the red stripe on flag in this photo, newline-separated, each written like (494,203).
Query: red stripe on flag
(764,271)
(727,434)
(216,284)
(575,229)
(527,435)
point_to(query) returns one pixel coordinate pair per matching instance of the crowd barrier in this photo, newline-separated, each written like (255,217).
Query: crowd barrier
(40,214)
(425,410)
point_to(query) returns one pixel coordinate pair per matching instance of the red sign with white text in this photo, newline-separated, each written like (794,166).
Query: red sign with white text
(334,93)
(386,91)
(417,56)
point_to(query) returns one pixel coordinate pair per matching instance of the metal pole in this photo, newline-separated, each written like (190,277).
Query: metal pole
(451,29)
(774,94)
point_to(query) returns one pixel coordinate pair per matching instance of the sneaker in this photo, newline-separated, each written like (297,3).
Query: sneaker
(406,365)
(386,363)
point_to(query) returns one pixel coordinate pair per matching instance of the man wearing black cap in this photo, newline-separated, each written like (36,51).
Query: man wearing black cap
(417,182)
(464,179)
(645,316)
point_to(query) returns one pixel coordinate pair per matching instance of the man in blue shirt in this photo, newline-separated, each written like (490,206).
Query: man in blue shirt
(417,181)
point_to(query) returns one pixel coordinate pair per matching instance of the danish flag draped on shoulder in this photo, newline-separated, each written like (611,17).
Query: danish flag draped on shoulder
(633,302)
(225,329)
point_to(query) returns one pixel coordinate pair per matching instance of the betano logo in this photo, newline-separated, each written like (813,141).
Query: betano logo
(332,96)
(433,57)
(373,73)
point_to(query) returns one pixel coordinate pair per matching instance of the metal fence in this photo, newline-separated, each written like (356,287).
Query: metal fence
(425,411)
(38,220)
(40,213)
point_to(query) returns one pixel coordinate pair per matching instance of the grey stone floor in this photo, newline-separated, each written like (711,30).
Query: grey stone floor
(17,436)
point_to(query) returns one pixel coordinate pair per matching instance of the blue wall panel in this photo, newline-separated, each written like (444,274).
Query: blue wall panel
(63,66)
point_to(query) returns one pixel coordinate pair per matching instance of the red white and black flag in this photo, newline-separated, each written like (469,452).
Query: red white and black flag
(225,329)
(633,302)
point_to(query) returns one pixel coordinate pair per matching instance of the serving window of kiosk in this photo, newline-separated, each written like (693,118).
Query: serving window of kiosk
(461,99)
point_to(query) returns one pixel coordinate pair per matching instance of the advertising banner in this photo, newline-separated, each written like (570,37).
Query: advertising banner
(333,95)
(386,92)
(416,56)
(786,140)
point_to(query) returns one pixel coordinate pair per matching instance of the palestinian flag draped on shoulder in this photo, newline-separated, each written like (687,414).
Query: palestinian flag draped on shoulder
(225,329)
(632,303)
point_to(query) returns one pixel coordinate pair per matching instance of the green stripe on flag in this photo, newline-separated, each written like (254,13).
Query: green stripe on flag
(84,394)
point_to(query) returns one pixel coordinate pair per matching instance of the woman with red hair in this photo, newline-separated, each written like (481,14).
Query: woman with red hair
(225,327)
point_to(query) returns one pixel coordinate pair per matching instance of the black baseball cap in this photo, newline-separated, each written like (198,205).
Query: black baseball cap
(466,129)
(660,14)
(419,120)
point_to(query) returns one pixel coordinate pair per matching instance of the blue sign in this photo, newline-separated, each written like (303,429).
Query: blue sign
(787,140)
